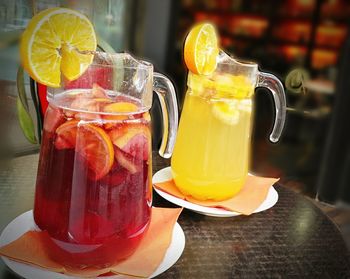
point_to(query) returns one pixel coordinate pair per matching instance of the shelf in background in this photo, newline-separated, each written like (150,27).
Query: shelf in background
(307,32)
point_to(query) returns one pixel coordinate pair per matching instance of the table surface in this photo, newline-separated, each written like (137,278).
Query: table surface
(294,239)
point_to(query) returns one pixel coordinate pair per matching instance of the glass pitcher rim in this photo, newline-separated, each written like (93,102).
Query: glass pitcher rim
(56,103)
(226,59)
(119,61)
(139,63)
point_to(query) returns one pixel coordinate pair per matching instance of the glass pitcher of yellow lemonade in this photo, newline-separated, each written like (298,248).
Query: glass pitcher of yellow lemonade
(212,149)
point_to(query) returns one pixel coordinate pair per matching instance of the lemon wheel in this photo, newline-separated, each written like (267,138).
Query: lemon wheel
(57,41)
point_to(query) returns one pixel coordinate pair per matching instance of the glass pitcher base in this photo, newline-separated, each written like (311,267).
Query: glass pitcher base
(81,256)
(204,190)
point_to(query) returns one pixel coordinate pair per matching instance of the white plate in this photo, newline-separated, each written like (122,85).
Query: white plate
(165,174)
(25,222)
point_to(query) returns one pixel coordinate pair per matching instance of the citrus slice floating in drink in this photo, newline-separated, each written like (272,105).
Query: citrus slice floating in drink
(115,108)
(146,116)
(121,107)
(66,135)
(201,49)
(95,146)
(90,141)
(56,41)
(226,111)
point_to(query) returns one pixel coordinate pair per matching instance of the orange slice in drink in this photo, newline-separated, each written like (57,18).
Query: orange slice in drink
(94,144)
(57,40)
(146,116)
(90,141)
(119,107)
(201,49)
(66,135)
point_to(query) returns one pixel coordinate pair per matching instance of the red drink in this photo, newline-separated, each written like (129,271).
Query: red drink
(93,190)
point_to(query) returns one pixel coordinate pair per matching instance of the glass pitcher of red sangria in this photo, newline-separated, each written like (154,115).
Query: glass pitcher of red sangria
(93,190)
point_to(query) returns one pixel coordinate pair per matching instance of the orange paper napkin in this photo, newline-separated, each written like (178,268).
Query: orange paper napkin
(252,195)
(146,259)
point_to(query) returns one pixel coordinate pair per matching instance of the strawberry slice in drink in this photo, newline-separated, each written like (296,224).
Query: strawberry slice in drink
(133,139)
(98,92)
(91,142)
(127,161)
(53,119)
(94,105)
(94,102)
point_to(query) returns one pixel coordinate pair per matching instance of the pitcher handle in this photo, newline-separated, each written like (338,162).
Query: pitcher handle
(167,97)
(275,86)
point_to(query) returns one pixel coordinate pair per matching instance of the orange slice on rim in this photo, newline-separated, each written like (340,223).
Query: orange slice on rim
(90,141)
(201,49)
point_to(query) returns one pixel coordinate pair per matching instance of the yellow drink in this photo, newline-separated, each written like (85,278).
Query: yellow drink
(211,155)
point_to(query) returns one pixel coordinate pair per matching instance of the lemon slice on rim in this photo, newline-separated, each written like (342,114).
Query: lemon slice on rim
(57,40)
(201,49)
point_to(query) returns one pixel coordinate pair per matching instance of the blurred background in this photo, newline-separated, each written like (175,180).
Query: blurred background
(311,36)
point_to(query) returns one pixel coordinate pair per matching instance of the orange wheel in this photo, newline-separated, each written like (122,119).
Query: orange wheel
(90,141)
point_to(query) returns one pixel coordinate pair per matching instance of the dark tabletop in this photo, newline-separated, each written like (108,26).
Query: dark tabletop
(294,239)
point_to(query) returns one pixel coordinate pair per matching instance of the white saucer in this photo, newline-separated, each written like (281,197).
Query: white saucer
(165,174)
(25,222)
